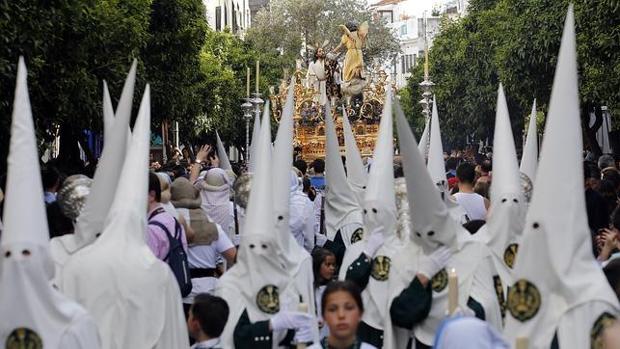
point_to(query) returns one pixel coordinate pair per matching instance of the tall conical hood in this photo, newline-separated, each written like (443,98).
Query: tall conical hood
(555,265)
(281,165)
(108,173)
(423,146)
(127,211)
(259,215)
(29,304)
(431,222)
(505,166)
(436,165)
(507,214)
(380,198)
(24,193)
(254,144)
(356,173)
(221,153)
(341,204)
(529,160)
(108,114)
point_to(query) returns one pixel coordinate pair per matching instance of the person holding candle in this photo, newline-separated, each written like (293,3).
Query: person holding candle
(368,262)
(419,281)
(342,308)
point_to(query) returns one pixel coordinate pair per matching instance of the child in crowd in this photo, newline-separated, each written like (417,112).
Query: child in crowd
(207,318)
(324,267)
(342,309)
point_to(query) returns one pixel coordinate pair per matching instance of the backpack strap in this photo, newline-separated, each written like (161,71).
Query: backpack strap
(171,239)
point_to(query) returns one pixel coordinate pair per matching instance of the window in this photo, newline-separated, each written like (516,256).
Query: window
(403,30)
(218,18)
(387,15)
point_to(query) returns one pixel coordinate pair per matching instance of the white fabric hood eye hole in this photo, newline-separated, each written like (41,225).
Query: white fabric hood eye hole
(430,233)
(7,254)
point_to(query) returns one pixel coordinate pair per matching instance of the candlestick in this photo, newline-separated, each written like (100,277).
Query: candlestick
(302,308)
(453,291)
(257,75)
(247,82)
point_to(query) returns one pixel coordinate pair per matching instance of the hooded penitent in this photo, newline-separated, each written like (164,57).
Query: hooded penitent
(529,159)
(91,221)
(34,314)
(300,262)
(432,227)
(108,114)
(356,173)
(380,217)
(437,167)
(559,288)
(133,296)
(253,145)
(224,161)
(507,213)
(342,207)
(256,283)
(423,146)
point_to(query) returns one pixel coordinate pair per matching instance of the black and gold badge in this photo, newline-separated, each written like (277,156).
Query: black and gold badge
(596,334)
(440,281)
(268,299)
(510,255)
(23,338)
(358,235)
(499,291)
(523,300)
(380,269)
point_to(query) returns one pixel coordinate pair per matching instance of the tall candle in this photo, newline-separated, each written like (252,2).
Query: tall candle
(522,343)
(302,308)
(257,74)
(453,291)
(247,82)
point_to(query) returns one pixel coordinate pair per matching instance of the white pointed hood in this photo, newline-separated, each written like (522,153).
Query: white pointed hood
(282,164)
(431,223)
(27,300)
(529,159)
(254,143)
(356,172)
(341,205)
(436,165)
(555,268)
(423,146)
(108,114)
(90,223)
(221,154)
(508,207)
(380,198)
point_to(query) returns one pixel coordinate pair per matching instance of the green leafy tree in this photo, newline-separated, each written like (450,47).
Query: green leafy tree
(70,46)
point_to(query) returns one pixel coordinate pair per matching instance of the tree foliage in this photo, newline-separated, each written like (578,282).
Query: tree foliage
(517,42)
(287,24)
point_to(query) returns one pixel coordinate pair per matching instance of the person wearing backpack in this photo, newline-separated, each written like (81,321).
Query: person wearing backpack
(166,237)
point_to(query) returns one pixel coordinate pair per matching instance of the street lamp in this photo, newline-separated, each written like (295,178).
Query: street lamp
(247,116)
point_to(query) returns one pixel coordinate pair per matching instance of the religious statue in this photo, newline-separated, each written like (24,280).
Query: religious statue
(323,75)
(354,40)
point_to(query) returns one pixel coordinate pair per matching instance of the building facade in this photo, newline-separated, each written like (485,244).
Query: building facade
(232,14)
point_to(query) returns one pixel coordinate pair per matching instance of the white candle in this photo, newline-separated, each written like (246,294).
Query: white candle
(257,75)
(453,291)
(247,82)
(521,343)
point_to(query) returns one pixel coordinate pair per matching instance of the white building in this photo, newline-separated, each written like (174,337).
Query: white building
(412,29)
(232,14)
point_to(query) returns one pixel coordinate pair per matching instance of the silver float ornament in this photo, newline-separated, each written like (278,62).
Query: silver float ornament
(72,195)
(403,226)
(526,186)
(241,189)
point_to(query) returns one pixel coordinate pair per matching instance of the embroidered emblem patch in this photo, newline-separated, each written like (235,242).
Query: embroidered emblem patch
(510,255)
(523,300)
(358,235)
(440,281)
(596,334)
(268,299)
(380,269)
(23,338)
